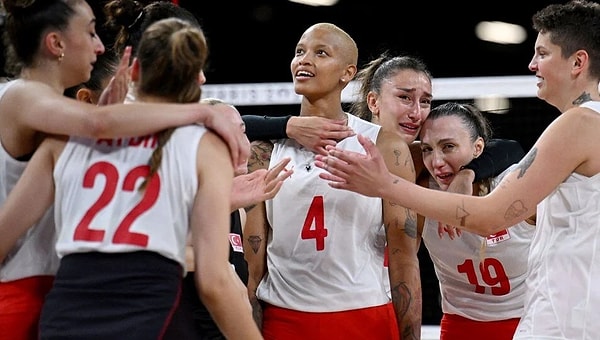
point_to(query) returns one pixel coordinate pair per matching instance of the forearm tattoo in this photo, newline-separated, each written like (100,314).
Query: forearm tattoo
(402,300)
(461,214)
(410,225)
(257,312)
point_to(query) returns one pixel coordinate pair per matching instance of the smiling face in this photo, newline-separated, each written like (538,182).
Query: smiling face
(403,103)
(324,61)
(446,146)
(551,69)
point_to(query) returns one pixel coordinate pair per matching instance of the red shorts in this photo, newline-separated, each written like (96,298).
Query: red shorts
(20,306)
(454,327)
(366,323)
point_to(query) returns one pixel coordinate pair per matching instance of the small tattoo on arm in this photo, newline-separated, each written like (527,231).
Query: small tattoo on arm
(516,209)
(255,242)
(397,154)
(461,214)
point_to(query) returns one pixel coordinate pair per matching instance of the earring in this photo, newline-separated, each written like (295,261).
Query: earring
(61,56)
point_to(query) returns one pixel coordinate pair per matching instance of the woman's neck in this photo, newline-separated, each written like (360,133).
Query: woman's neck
(45,76)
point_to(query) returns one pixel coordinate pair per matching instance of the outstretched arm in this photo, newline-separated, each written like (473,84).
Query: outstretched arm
(259,185)
(512,201)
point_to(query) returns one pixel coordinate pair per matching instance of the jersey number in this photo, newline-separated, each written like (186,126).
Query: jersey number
(122,235)
(314,224)
(492,274)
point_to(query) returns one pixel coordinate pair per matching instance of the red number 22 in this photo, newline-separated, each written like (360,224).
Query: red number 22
(123,235)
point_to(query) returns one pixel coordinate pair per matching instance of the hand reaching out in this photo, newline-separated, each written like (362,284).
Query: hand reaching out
(365,174)
(259,185)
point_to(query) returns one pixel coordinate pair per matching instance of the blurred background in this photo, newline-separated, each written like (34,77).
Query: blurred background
(253,42)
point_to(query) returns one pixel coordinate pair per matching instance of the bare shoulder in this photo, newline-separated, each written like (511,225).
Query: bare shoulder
(392,142)
(397,154)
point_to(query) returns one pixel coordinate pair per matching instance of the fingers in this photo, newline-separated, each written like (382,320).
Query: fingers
(125,59)
(339,133)
(452,231)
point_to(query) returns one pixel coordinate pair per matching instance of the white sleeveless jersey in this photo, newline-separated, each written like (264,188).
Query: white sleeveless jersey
(34,252)
(563,296)
(99,207)
(481,278)
(325,248)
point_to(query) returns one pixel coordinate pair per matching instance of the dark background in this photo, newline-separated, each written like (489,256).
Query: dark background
(254,41)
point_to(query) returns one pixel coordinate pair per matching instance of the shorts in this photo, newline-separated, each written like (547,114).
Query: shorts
(111,296)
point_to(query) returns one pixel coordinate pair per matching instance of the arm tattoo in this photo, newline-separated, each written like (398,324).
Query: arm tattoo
(461,214)
(256,311)
(255,242)
(516,209)
(410,225)
(397,154)
(525,163)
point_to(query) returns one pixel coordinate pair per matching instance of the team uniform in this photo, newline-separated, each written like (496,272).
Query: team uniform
(122,250)
(562,296)
(324,254)
(482,279)
(27,273)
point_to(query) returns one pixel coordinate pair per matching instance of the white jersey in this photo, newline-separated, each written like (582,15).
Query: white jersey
(325,248)
(34,252)
(563,295)
(481,278)
(98,204)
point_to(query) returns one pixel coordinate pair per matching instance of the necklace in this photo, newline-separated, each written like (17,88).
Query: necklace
(309,157)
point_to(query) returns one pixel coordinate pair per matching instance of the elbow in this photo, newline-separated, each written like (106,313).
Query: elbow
(211,285)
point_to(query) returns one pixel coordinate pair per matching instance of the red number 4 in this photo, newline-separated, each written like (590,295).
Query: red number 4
(122,235)
(315,217)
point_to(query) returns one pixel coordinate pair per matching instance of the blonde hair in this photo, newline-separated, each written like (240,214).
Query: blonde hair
(171,53)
